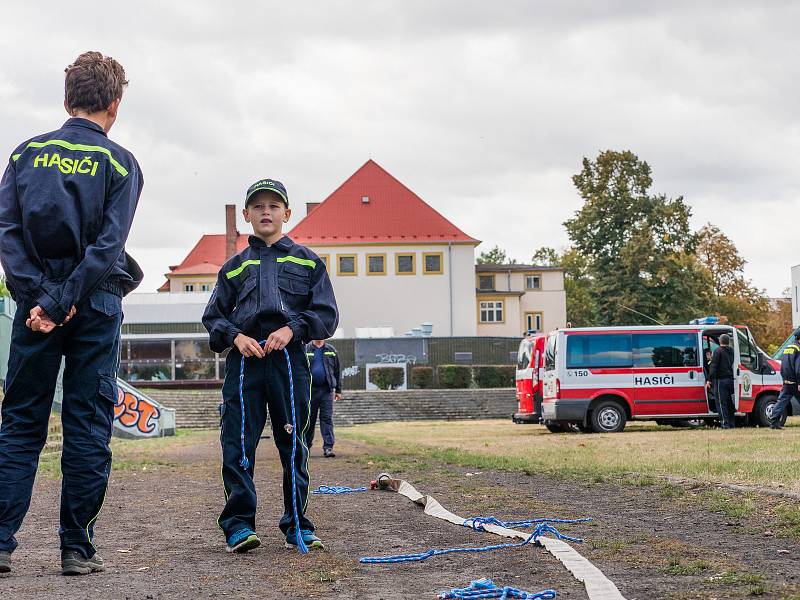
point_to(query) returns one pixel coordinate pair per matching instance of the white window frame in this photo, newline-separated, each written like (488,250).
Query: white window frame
(493,309)
(530,276)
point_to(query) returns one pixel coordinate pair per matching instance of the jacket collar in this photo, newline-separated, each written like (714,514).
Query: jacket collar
(284,243)
(86,123)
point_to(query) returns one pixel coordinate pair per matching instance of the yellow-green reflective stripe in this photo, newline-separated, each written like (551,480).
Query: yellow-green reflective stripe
(83,148)
(240,268)
(330,354)
(14,157)
(300,261)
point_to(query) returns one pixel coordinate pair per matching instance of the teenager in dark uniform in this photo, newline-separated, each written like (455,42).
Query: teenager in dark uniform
(722,379)
(326,386)
(277,291)
(67,201)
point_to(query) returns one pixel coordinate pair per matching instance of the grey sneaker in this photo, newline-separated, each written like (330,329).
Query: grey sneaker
(5,562)
(328,453)
(73,563)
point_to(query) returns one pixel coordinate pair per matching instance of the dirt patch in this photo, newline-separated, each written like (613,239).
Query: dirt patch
(159,537)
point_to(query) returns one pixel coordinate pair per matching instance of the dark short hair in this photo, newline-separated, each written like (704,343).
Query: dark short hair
(93,82)
(725,339)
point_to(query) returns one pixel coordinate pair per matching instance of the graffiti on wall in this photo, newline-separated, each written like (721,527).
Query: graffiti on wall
(350,371)
(396,358)
(136,415)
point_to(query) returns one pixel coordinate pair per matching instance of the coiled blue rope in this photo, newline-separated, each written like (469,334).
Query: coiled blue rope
(477,523)
(485,588)
(245,463)
(540,530)
(337,489)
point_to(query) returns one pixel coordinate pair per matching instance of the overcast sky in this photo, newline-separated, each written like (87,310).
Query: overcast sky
(484,109)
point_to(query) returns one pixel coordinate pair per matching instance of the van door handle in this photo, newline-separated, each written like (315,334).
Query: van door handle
(691,374)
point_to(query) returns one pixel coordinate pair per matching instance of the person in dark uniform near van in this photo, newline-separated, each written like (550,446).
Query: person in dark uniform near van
(720,375)
(790,372)
(326,386)
(67,201)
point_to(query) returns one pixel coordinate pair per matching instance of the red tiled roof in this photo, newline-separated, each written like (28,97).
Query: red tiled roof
(394,214)
(205,258)
(205,268)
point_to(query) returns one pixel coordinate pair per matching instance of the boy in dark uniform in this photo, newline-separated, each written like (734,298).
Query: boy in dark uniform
(67,201)
(277,292)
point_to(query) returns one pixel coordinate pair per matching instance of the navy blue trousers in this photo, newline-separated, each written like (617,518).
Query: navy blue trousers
(724,392)
(322,405)
(266,391)
(788,391)
(89,344)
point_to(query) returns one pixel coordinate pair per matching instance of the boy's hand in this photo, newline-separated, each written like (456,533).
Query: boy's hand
(337,396)
(277,340)
(247,346)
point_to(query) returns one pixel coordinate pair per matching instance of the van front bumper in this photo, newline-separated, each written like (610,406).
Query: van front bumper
(566,410)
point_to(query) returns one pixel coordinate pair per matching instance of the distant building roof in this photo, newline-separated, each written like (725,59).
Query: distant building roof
(372,206)
(491,267)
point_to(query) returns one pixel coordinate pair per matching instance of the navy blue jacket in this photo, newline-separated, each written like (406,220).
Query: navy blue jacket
(333,372)
(264,288)
(790,363)
(67,200)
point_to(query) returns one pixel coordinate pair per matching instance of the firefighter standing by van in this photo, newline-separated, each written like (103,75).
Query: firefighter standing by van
(790,372)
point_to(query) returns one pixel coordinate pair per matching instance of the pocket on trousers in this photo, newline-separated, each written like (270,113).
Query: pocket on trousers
(106,303)
(107,399)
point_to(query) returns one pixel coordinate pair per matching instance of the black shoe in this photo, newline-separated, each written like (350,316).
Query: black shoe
(73,563)
(328,453)
(5,562)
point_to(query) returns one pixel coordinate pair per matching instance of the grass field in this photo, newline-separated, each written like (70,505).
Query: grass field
(749,456)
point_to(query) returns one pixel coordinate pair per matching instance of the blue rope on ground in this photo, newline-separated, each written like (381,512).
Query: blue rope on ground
(477,523)
(485,588)
(337,489)
(245,463)
(540,530)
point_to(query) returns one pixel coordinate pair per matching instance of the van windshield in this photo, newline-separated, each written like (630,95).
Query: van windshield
(524,354)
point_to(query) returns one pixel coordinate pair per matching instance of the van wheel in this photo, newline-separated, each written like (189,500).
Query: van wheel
(763,410)
(608,417)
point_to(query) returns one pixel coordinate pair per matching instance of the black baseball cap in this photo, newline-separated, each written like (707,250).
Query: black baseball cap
(267,185)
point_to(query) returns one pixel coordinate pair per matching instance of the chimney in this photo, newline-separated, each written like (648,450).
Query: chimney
(311,206)
(231,235)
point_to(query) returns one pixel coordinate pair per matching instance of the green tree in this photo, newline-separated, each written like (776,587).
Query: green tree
(495,256)
(733,295)
(637,246)
(3,287)
(577,283)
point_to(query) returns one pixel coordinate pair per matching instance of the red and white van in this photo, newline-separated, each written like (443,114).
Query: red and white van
(598,378)
(530,368)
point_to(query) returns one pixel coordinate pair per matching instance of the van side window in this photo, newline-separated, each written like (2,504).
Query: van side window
(589,351)
(665,350)
(550,354)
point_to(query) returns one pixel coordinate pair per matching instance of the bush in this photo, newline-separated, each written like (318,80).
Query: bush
(494,376)
(386,378)
(422,377)
(454,376)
